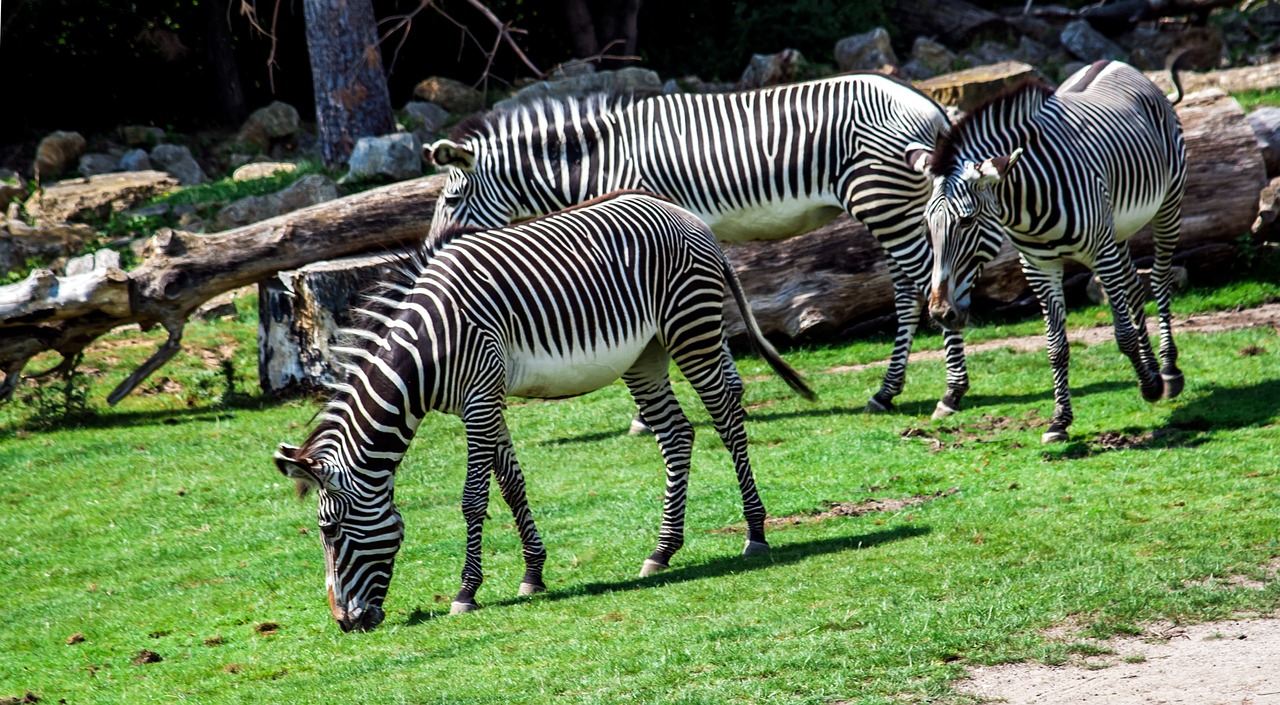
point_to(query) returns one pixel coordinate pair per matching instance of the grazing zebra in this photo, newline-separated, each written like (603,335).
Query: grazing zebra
(1067,174)
(556,307)
(756,165)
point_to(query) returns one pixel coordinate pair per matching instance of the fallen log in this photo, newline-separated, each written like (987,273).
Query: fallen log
(181,270)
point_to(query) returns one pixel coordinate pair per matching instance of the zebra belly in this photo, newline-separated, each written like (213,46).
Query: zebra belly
(540,375)
(771,221)
(1130,220)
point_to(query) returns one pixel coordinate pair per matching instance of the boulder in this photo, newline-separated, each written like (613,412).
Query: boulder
(102,259)
(931,57)
(142,135)
(772,69)
(306,191)
(272,122)
(57,152)
(630,81)
(96,163)
(97,195)
(454,96)
(425,115)
(177,160)
(1150,44)
(1088,44)
(865,52)
(396,157)
(262,170)
(135,160)
(1268,209)
(1265,122)
(965,90)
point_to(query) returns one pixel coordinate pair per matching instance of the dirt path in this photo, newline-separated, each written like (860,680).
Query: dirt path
(1235,662)
(1267,315)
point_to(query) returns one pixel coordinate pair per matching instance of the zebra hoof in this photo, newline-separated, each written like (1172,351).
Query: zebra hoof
(942,411)
(639,428)
(1053,435)
(463,607)
(1173,385)
(875,407)
(755,548)
(650,567)
(527,589)
(1154,391)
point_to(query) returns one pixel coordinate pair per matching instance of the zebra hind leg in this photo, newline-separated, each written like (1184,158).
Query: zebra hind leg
(1165,227)
(483,421)
(638,425)
(506,471)
(650,385)
(1119,278)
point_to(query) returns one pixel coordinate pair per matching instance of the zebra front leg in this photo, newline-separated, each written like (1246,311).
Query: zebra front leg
(483,421)
(1165,227)
(907,304)
(650,386)
(1119,278)
(957,374)
(506,471)
(1046,280)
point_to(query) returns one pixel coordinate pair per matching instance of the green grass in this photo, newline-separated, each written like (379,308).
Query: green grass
(1255,98)
(162,525)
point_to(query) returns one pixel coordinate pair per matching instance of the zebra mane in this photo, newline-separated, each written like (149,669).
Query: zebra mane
(1022,99)
(483,123)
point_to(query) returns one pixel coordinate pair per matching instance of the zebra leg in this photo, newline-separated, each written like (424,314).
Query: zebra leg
(483,421)
(1165,227)
(907,304)
(638,426)
(650,385)
(506,470)
(1046,280)
(957,374)
(1119,278)
(724,405)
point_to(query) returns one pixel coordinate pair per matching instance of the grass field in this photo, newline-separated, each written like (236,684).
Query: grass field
(153,554)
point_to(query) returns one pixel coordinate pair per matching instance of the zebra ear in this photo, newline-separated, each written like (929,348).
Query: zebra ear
(301,469)
(918,160)
(996,168)
(446,153)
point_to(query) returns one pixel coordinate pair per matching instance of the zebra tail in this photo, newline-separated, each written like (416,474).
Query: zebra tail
(761,344)
(1172,64)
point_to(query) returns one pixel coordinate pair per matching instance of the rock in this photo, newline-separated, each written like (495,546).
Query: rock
(97,195)
(933,56)
(96,163)
(631,81)
(425,115)
(865,52)
(965,90)
(1265,122)
(772,69)
(454,96)
(306,191)
(397,157)
(20,242)
(57,152)
(1150,44)
(1088,44)
(177,160)
(272,122)
(694,84)
(262,170)
(102,259)
(135,160)
(1268,208)
(142,135)
(988,53)
(12,188)
(1095,293)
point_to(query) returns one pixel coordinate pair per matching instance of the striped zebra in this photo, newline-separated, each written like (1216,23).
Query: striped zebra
(555,307)
(1068,175)
(756,165)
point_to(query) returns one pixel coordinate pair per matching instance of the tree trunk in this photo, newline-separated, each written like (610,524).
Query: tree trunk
(352,99)
(222,59)
(582,30)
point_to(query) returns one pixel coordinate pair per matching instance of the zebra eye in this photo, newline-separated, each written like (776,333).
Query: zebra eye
(329,528)
(451,200)
(968,220)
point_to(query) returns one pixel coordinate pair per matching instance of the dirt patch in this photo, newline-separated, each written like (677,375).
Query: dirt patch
(1231,661)
(871,505)
(1184,434)
(146,656)
(29,697)
(980,430)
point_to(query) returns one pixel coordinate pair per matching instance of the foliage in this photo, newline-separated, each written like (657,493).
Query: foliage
(163,527)
(62,400)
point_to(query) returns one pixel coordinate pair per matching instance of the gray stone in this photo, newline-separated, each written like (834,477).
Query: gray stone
(57,152)
(1088,44)
(306,191)
(397,156)
(933,56)
(772,69)
(865,52)
(177,160)
(135,160)
(96,163)
(262,170)
(628,81)
(988,53)
(454,96)
(142,135)
(1265,122)
(425,115)
(102,259)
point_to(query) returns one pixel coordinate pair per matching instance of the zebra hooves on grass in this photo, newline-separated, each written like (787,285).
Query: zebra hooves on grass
(1054,435)
(463,607)
(1154,391)
(1173,384)
(942,411)
(755,548)
(875,406)
(639,427)
(650,567)
(527,589)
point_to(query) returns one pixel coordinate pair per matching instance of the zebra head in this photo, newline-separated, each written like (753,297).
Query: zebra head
(963,218)
(473,196)
(360,531)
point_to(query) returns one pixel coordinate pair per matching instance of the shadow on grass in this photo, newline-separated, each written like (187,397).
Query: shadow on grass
(782,554)
(106,417)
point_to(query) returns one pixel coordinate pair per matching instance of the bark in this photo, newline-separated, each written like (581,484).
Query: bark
(182,270)
(222,58)
(351,95)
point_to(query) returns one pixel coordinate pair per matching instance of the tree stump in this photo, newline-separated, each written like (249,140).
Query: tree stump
(966,90)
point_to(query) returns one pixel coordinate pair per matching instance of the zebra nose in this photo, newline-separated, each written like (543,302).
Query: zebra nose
(949,315)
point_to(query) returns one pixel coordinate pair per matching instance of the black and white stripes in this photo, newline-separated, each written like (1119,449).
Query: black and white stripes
(555,307)
(754,165)
(1067,174)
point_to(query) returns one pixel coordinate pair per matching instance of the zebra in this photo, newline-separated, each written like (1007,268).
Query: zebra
(755,165)
(561,305)
(1067,175)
